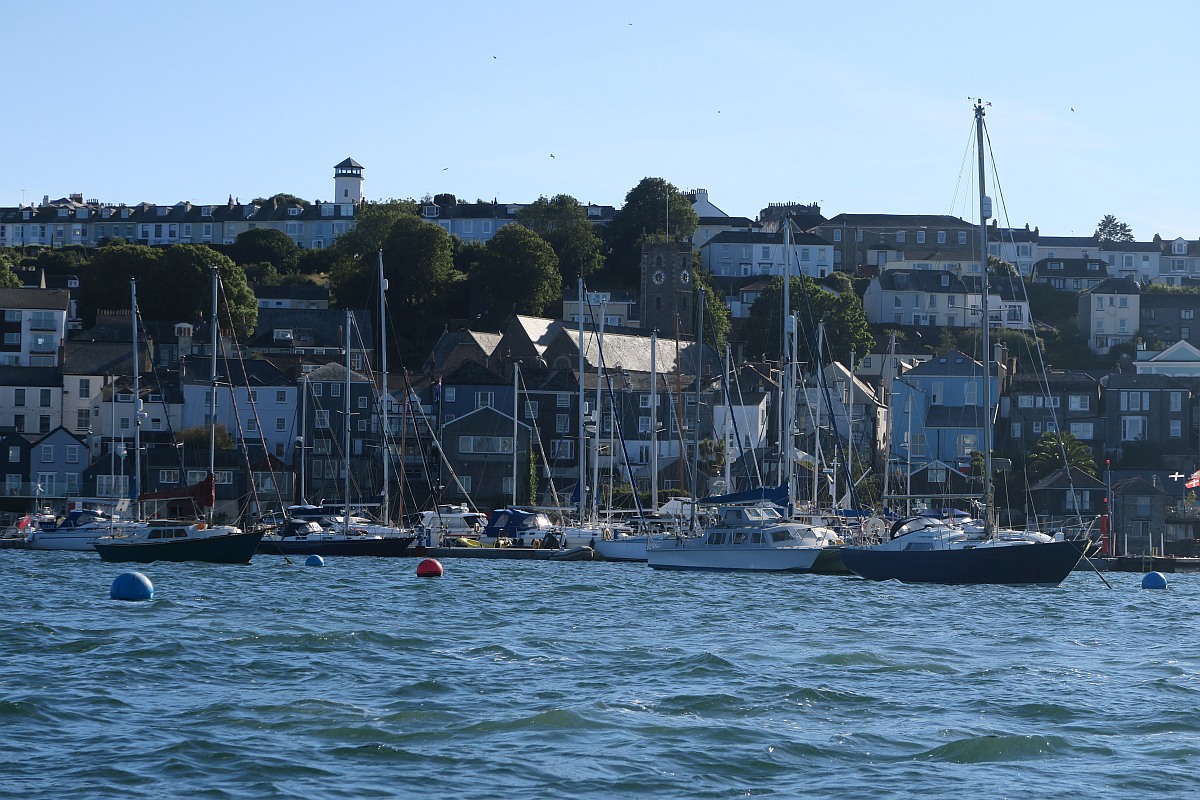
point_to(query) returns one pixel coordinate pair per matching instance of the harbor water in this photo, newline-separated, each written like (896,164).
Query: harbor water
(587,680)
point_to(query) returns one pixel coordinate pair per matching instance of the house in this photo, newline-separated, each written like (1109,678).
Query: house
(1139,520)
(1180,260)
(328,418)
(942,298)
(1017,246)
(920,241)
(304,295)
(15,457)
(938,412)
(1060,247)
(1139,261)
(89,366)
(619,308)
(58,460)
(255,403)
(1148,420)
(34,324)
(1059,496)
(312,332)
(486,458)
(1070,274)
(834,404)
(1167,317)
(1109,314)
(1037,404)
(479,221)
(31,398)
(455,348)
(1181,360)
(756,253)
(117,420)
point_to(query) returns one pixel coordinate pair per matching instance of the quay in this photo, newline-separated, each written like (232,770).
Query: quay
(1164,564)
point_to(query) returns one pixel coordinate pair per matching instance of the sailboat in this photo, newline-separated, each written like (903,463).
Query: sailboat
(180,540)
(925,550)
(320,530)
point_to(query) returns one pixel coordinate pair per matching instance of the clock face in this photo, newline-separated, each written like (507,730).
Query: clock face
(685,277)
(659,277)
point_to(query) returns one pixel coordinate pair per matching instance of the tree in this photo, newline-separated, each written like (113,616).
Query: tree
(1047,455)
(8,278)
(1112,229)
(845,322)
(189,293)
(105,283)
(653,206)
(1001,268)
(372,223)
(196,438)
(267,245)
(563,223)
(716,314)
(518,274)
(283,198)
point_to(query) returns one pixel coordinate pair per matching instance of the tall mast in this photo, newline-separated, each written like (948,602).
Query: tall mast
(788,393)
(984,213)
(212,404)
(699,362)
(654,420)
(582,432)
(599,414)
(346,421)
(383,395)
(137,402)
(516,407)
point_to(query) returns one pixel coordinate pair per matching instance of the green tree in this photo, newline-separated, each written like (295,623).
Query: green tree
(518,274)
(196,438)
(845,321)
(653,206)
(372,224)
(1002,268)
(105,284)
(717,320)
(564,224)
(1111,229)
(189,295)
(8,278)
(266,245)
(1047,455)
(283,198)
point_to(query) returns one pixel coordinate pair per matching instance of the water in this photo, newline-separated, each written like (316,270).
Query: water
(579,680)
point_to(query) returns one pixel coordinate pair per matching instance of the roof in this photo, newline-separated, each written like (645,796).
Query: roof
(349,163)
(1057,480)
(899,220)
(31,376)
(333,373)
(97,358)
(1092,241)
(1137,485)
(1071,268)
(952,362)
(1115,286)
(48,299)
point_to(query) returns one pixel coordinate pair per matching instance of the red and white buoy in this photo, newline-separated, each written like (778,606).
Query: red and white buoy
(429,568)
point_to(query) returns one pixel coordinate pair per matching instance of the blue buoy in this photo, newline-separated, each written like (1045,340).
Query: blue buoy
(1154,580)
(314,561)
(131,586)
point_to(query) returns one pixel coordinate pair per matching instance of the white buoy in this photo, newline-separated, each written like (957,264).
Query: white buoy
(1154,580)
(314,561)
(131,586)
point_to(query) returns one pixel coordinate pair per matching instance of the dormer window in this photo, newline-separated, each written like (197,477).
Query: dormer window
(593,211)
(945,280)
(1179,247)
(183,329)
(62,212)
(162,211)
(430,211)
(294,211)
(283,335)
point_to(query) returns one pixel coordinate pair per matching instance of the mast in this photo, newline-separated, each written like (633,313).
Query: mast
(516,407)
(728,425)
(984,213)
(212,403)
(137,402)
(383,395)
(582,427)
(599,414)
(303,434)
(346,421)
(889,370)
(788,389)
(850,434)
(696,422)
(654,420)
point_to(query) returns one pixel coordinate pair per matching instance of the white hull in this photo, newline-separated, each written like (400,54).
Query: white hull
(77,540)
(695,553)
(628,548)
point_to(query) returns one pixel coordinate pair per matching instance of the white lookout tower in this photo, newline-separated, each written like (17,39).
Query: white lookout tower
(348,182)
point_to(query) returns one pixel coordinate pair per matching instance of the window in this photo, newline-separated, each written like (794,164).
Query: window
(47,453)
(485,399)
(281,423)
(899,237)
(362,401)
(971,394)
(1016,430)
(962,237)
(1187,313)
(1135,401)
(73,454)
(449,394)
(837,234)
(168,476)
(322,420)
(941,237)
(83,419)
(317,390)
(280,395)
(1079,402)
(643,424)
(564,400)
(920,237)
(465,480)
(562,449)
(335,390)
(531,409)
(1176,401)
(1176,429)
(1133,429)
(1081,430)
(485,444)
(44,398)
(562,423)
(85,388)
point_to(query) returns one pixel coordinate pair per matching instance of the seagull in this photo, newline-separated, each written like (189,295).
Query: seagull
(1072,111)
(445,168)
(552,155)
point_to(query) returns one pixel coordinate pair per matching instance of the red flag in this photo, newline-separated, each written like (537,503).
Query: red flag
(23,523)
(1194,480)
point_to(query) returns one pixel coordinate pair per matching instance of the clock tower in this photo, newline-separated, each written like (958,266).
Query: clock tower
(667,289)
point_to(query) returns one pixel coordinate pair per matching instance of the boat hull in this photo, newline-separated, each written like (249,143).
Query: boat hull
(233,548)
(733,558)
(79,541)
(389,547)
(1041,564)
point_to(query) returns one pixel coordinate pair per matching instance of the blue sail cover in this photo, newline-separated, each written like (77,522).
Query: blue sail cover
(771,494)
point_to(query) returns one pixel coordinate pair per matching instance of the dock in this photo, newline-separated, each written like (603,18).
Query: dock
(1164,564)
(507,553)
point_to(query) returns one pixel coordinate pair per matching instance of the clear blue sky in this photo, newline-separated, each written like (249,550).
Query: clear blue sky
(860,106)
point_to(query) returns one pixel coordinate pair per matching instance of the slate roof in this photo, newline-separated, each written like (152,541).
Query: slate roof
(252,372)
(40,299)
(1070,268)
(899,220)
(1115,286)
(31,376)
(952,362)
(97,358)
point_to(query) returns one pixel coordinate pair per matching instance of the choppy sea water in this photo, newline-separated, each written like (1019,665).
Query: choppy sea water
(580,680)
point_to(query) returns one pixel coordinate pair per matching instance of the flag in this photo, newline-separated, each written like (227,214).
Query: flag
(23,523)
(1194,480)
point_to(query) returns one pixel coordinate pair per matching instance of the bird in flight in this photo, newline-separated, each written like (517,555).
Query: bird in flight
(552,155)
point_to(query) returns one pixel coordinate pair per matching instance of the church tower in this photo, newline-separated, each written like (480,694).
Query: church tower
(348,182)
(667,290)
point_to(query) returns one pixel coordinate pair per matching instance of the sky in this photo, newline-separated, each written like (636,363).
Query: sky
(861,107)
